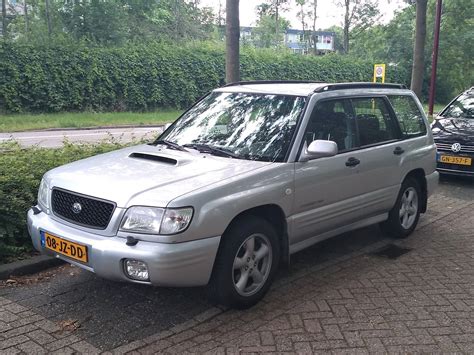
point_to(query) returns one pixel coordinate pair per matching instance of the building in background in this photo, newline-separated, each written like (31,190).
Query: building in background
(14,8)
(297,40)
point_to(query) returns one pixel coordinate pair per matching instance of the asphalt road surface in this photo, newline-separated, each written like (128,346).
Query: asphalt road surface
(379,296)
(56,138)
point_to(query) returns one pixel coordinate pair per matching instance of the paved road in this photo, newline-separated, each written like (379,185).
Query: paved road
(53,139)
(341,295)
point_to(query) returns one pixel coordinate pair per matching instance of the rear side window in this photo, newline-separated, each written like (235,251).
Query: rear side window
(374,121)
(409,116)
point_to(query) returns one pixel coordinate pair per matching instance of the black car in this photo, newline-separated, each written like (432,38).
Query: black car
(453,132)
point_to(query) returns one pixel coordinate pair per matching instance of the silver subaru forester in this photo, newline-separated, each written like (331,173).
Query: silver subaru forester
(252,173)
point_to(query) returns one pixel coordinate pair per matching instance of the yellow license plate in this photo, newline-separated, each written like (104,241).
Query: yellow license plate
(64,247)
(455,160)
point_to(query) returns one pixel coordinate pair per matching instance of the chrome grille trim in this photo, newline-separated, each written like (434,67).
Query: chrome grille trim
(447,147)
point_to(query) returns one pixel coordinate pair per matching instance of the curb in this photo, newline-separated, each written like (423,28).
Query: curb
(28,266)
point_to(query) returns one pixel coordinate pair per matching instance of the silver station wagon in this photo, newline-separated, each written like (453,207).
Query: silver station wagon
(252,173)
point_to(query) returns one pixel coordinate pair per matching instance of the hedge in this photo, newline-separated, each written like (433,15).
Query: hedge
(146,77)
(20,174)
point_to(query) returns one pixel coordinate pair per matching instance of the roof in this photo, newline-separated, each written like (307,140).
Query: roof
(317,33)
(299,88)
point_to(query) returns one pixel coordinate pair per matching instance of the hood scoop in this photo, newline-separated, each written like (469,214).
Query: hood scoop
(152,157)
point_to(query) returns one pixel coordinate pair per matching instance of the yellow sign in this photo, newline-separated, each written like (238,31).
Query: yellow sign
(379,72)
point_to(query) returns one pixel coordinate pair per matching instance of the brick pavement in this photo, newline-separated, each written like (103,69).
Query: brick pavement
(329,301)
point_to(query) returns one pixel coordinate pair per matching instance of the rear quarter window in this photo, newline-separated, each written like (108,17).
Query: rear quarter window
(409,116)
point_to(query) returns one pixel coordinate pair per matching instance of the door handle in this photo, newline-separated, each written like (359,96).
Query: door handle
(398,151)
(352,162)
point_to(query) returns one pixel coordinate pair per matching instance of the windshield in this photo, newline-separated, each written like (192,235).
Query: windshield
(462,107)
(249,126)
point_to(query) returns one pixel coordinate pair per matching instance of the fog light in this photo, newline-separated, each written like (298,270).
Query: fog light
(136,270)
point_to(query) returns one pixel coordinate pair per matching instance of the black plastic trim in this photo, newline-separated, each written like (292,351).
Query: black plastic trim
(362,85)
(258,82)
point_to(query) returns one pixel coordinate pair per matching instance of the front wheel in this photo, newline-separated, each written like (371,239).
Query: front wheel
(246,263)
(404,216)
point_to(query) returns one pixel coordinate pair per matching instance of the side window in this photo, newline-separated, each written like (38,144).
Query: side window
(409,116)
(331,120)
(374,121)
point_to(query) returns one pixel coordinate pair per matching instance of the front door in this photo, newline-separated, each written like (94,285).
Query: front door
(325,188)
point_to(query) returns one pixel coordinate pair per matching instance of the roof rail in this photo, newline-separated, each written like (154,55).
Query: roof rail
(257,82)
(342,86)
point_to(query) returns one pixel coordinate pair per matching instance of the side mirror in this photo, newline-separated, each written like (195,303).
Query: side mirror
(319,149)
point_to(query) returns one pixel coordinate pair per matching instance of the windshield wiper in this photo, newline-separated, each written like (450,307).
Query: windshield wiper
(170,145)
(207,148)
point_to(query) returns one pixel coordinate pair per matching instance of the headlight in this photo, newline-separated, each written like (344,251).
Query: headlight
(43,194)
(153,220)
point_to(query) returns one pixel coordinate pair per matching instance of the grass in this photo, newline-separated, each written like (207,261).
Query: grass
(437,108)
(26,122)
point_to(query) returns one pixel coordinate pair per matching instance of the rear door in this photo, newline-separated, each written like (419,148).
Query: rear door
(381,153)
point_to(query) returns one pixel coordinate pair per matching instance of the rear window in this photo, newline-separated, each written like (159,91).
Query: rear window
(409,116)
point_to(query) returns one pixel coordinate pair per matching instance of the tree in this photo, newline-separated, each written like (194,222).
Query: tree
(419,48)
(273,9)
(303,14)
(264,34)
(25,13)
(359,15)
(232,60)
(48,17)
(4,18)
(314,37)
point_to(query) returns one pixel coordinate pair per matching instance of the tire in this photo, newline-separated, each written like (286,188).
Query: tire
(238,266)
(404,216)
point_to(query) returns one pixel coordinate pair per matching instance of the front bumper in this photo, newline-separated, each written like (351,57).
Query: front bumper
(455,169)
(179,264)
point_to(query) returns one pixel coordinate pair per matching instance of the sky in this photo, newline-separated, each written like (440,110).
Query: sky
(328,13)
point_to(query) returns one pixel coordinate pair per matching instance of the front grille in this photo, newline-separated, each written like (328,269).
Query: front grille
(447,147)
(89,211)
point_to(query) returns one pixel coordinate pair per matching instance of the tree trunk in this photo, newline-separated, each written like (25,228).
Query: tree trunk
(176,20)
(48,17)
(27,24)
(4,18)
(346,27)
(303,24)
(315,42)
(419,48)
(232,62)
(277,20)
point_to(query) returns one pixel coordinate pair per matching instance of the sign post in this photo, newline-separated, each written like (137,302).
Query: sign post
(379,72)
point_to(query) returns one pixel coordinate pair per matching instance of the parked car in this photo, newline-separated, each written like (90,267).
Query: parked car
(453,131)
(249,175)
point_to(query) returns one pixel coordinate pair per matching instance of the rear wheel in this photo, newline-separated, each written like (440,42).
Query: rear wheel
(246,263)
(404,216)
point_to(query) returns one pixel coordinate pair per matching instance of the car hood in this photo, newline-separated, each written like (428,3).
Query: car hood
(453,130)
(146,175)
